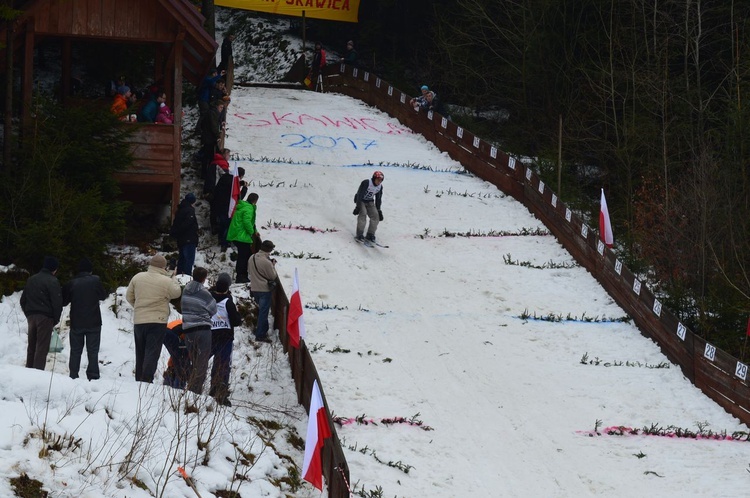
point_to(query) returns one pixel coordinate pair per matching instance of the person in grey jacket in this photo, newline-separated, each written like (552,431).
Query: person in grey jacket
(41,302)
(83,293)
(198,306)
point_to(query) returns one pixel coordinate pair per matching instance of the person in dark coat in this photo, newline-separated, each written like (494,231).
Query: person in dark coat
(83,293)
(185,230)
(350,55)
(220,203)
(222,338)
(211,127)
(41,302)
(226,52)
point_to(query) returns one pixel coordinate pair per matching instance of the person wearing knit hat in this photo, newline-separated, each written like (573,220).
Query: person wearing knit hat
(120,102)
(158,261)
(350,55)
(83,293)
(222,338)
(263,278)
(50,263)
(416,102)
(149,292)
(198,307)
(41,302)
(185,230)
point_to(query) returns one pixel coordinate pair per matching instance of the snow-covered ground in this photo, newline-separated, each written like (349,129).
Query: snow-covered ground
(434,330)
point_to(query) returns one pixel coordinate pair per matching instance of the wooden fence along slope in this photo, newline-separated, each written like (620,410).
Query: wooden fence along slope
(720,376)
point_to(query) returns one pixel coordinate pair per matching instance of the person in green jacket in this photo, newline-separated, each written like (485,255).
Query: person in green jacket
(241,232)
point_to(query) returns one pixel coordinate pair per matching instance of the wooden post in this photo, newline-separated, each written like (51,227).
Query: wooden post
(27,84)
(559,160)
(67,73)
(177,95)
(8,121)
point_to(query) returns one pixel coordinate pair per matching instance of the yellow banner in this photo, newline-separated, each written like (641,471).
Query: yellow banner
(332,10)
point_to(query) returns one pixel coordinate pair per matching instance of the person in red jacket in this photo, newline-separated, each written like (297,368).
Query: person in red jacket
(318,63)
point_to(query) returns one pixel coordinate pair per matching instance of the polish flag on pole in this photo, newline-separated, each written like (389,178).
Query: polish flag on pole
(295,324)
(317,431)
(235,197)
(605,227)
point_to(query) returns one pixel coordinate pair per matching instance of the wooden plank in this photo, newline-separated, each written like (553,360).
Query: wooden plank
(79,16)
(108,10)
(50,17)
(94,17)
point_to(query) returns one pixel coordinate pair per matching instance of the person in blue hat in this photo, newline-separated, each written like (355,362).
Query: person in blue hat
(417,102)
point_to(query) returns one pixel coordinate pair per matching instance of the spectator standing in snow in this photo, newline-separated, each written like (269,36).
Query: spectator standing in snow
(149,292)
(226,52)
(198,306)
(41,302)
(318,63)
(220,203)
(185,230)
(178,365)
(222,338)
(367,200)
(242,232)
(263,278)
(350,55)
(83,292)
(219,167)
(211,127)
(204,93)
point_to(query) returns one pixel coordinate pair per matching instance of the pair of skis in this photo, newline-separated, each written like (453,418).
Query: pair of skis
(370,243)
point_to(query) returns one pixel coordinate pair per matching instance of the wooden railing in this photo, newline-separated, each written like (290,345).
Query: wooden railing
(335,468)
(719,375)
(154,176)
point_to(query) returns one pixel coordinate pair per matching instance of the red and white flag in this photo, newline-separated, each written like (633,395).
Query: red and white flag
(235,197)
(317,431)
(295,324)
(605,227)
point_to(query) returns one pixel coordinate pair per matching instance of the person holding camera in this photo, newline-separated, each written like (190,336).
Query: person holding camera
(263,278)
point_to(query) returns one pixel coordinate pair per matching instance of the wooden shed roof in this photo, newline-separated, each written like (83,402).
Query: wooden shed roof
(127,21)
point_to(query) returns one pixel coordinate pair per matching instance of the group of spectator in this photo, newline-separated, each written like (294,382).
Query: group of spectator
(42,301)
(206,329)
(427,101)
(133,106)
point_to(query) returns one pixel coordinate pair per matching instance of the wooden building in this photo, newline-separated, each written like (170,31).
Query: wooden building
(170,32)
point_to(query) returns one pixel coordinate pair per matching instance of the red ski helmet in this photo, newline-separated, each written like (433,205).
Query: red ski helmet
(378,174)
